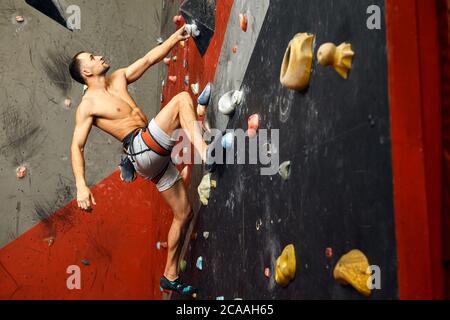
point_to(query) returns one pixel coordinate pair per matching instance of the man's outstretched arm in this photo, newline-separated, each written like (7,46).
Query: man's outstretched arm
(83,126)
(137,69)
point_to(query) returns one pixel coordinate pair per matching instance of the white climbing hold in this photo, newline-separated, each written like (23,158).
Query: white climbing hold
(229,101)
(206,234)
(195,87)
(192,30)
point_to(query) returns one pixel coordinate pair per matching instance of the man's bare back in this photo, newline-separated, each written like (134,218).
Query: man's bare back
(113,109)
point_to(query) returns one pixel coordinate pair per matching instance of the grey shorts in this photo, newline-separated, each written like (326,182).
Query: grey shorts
(150,164)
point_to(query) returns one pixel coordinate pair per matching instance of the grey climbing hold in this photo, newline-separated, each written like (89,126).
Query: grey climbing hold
(160,41)
(229,101)
(85,262)
(285,170)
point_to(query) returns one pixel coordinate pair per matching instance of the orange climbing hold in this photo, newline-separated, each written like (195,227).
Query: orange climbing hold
(243,21)
(20,19)
(21,172)
(253,125)
(234,50)
(173,79)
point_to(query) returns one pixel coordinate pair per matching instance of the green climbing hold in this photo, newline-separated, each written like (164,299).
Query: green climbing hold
(183,265)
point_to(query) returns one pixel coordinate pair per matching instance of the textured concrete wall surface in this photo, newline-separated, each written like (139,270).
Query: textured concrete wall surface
(35,125)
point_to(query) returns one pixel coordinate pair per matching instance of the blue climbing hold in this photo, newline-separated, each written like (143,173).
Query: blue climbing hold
(199,263)
(205,96)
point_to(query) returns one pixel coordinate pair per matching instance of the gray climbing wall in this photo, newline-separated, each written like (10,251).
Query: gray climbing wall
(35,126)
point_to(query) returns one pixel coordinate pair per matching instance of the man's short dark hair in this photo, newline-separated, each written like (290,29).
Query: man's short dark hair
(75,69)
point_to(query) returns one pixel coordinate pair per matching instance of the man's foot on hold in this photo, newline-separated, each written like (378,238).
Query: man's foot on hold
(176,286)
(205,96)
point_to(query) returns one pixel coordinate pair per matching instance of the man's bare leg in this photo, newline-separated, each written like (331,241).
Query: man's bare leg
(180,113)
(177,199)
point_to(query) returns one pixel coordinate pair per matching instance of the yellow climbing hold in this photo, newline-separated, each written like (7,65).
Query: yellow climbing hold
(204,189)
(341,58)
(353,269)
(286,266)
(297,62)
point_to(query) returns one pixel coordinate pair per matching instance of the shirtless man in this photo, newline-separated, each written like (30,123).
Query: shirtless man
(108,106)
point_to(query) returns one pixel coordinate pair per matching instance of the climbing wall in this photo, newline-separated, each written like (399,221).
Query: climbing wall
(359,178)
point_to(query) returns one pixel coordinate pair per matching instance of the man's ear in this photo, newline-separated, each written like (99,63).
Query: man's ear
(85,72)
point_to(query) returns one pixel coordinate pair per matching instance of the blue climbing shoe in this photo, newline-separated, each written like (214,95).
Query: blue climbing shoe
(176,286)
(205,96)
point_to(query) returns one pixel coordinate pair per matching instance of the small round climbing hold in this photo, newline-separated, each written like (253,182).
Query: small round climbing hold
(160,245)
(173,79)
(228,140)
(20,19)
(21,172)
(267,272)
(253,125)
(199,263)
(67,102)
(50,241)
(329,253)
(160,41)
(234,49)
(174,58)
(85,262)
(206,234)
(183,265)
(167,61)
(243,21)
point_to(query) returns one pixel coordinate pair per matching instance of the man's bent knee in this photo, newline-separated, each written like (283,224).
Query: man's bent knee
(184,98)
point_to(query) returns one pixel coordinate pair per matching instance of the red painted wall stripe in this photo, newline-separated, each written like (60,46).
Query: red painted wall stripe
(415,114)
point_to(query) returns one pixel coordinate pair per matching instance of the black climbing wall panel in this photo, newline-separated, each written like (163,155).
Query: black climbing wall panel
(337,136)
(204,15)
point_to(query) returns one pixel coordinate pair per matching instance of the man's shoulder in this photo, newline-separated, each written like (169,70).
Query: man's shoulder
(118,74)
(86,105)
